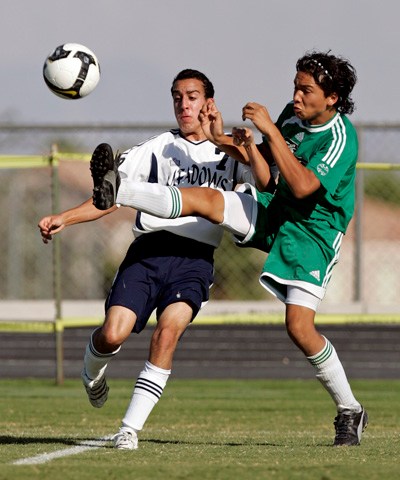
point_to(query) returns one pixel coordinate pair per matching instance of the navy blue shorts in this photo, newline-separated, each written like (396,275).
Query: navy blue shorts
(159,269)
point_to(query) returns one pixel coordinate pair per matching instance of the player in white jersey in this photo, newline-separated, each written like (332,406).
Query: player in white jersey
(171,159)
(169,265)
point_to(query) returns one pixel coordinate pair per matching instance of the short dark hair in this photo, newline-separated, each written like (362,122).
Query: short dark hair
(333,74)
(190,73)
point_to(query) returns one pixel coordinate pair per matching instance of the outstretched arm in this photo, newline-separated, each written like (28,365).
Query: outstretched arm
(86,212)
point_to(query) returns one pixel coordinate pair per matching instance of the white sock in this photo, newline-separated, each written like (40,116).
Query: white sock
(152,198)
(148,390)
(331,374)
(95,362)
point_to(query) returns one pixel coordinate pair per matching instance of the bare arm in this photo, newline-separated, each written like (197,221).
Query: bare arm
(213,128)
(86,212)
(259,166)
(302,182)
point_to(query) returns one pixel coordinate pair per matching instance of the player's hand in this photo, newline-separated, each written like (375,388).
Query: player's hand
(211,121)
(258,114)
(242,136)
(50,225)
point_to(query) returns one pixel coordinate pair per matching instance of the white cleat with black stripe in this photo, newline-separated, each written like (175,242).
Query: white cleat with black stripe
(97,389)
(125,440)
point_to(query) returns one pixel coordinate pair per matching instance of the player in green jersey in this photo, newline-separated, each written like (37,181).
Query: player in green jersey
(300,220)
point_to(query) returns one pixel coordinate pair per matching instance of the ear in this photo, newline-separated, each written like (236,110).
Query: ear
(332,99)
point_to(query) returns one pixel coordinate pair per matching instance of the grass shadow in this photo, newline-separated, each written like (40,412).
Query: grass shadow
(18,440)
(98,442)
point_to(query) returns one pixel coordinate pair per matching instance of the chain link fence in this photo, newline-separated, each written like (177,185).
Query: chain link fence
(368,272)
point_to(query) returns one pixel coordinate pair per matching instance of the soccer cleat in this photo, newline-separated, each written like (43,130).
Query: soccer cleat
(125,440)
(106,179)
(97,390)
(349,427)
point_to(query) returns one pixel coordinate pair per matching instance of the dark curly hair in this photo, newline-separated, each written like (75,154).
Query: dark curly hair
(189,73)
(333,74)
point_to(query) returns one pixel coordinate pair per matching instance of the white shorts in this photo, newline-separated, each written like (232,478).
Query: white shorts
(299,296)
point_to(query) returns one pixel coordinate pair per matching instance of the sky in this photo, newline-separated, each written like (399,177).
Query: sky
(248,48)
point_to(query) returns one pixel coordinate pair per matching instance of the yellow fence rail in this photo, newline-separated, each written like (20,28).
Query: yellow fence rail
(59,323)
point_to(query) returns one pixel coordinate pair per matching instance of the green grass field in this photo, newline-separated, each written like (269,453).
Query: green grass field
(201,429)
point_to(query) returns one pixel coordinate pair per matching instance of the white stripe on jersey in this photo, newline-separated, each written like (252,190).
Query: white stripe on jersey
(338,143)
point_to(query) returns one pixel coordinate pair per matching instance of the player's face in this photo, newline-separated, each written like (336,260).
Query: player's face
(310,103)
(189,97)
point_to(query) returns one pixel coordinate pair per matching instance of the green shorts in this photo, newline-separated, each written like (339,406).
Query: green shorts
(301,252)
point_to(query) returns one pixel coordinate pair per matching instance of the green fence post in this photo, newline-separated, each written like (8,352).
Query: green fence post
(58,324)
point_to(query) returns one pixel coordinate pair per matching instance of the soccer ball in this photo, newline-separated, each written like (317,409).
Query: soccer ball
(72,71)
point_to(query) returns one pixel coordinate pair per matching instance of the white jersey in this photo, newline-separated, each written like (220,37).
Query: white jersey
(169,159)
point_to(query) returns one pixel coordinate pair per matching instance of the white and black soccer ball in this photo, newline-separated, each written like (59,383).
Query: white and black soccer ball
(71,71)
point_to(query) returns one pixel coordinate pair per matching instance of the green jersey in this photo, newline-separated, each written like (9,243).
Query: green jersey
(330,151)
(303,237)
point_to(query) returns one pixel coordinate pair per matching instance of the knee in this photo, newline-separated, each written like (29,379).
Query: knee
(301,330)
(116,329)
(106,340)
(299,322)
(295,331)
(165,339)
(110,339)
(209,204)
